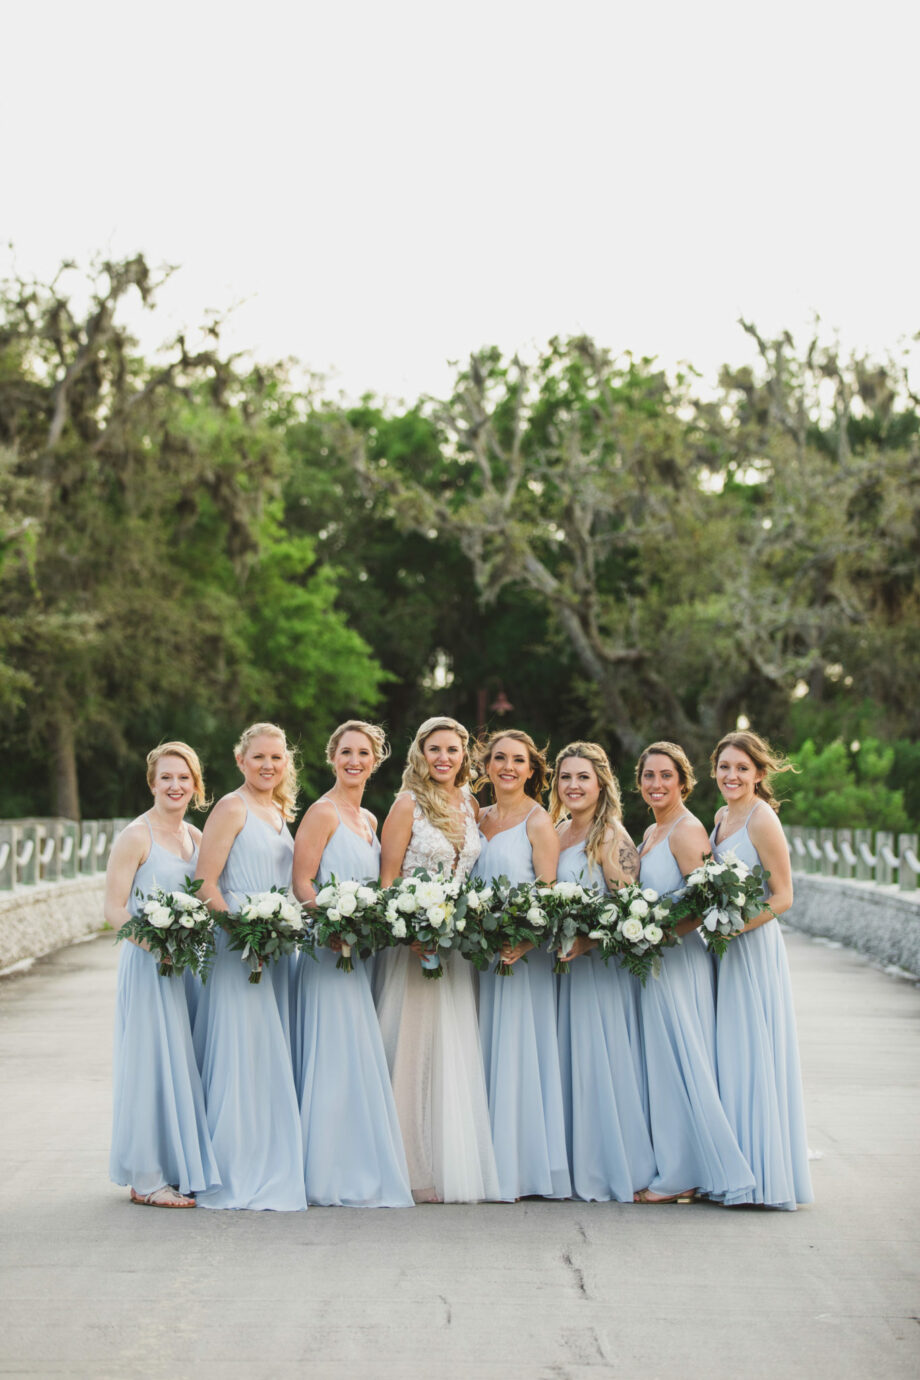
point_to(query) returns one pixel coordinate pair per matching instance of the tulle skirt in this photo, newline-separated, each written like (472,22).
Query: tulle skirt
(517,1021)
(352,1147)
(159,1126)
(604,1092)
(694,1144)
(253,1116)
(431,1040)
(758,1064)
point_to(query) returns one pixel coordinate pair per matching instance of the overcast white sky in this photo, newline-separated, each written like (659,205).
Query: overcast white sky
(386,186)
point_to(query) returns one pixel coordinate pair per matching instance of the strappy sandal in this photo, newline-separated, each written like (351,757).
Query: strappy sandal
(642,1197)
(165,1197)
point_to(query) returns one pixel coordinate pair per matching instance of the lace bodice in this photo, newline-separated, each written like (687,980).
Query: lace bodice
(430,848)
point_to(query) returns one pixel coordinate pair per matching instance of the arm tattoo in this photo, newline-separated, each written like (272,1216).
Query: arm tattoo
(628,858)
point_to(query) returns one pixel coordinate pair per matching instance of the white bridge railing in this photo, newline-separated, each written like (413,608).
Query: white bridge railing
(33,851)
(863,854)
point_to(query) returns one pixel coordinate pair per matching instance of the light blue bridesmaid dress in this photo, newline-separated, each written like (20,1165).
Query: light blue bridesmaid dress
(603,1067)
(353,1153)
(695,1147)
(159,1124)
(243,1052)
(757,1054)
(517,1025)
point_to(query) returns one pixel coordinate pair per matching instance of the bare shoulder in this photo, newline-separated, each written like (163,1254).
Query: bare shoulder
(402,809)
(195,832)
(372,818)
(133,843)
(764,826)
(320,817)
(229,813)
(539,822)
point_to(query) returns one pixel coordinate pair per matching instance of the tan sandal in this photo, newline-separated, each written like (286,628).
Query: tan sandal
(165,1197)
(642,1197)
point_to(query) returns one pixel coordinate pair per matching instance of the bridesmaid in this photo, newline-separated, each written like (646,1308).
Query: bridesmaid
(600,1043)
(352,1147)
(517,1014)
(429,1027)
(695,1147)
(243,1051)
(756,1046)
(159,1127)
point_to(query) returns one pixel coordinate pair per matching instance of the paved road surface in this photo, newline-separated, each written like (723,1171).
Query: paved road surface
(93,1287)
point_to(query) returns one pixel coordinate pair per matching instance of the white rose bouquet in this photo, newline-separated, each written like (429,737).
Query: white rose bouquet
(573,910)
(726,893)
(351,912)
(506,915)
(634,926)
(270,924)
(177,928)
(428,909)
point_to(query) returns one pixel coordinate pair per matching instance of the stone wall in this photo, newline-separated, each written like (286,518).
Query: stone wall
(881,922)
(36,920)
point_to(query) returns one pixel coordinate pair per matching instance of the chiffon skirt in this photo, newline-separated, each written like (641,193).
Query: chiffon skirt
(517,1021)
(431,1041)
(758,1063)
(253,1116)
(604,1093)
(159,1126)
(694,1144)
(352,1147)
(283,973)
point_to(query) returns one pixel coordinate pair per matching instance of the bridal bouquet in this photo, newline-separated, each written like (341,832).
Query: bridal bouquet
(635,925)
(727,894)
(573,910)
(270,924)
(350,911)
(429,909)
(177,928)
(513,914)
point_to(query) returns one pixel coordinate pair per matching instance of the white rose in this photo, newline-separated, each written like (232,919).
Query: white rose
(566,890)
(326,897)
(185,920)
(366,895)
(182,901)
(347,903)
(695,876)
(716,869)
(437,915)
(392,912)
(399,929)
(349,886)
(461,925)
(333,914)
(485,895)
(150,907)
(294,922)
(472,900)
(639,908)
(161,917)
(536,917)
(267,907)
(650,895)
(429,894)
(653,933)
(660,912)
(406,903)
(631,930)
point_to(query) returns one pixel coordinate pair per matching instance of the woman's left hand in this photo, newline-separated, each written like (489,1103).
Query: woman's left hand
(509,955)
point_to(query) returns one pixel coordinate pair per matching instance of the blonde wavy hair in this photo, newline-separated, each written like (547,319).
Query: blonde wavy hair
(372,732)
(535,785)
(608,813)
(418,781)
(678,757)
(190,757)
(765,759)
(285,793)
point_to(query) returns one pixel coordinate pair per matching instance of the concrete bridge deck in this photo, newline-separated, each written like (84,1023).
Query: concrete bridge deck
(93,1287)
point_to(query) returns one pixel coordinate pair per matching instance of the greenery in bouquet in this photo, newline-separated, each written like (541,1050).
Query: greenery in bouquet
(270,924)
(572,910)
(428,909)
(352,913)
(512,914)
(725,893)
(635,926)
(177,927)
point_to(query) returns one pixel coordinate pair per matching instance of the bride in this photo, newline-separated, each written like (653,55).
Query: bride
(430,1029)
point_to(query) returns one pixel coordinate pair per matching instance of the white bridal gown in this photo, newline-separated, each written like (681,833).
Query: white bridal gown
(431,1037)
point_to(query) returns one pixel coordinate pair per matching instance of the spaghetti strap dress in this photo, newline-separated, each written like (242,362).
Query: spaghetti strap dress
(353,1153)
(517,1024)
(159,1125)
(243,1052)
(757,1054)
(604,1093)
(695,1147)
(431,1039)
